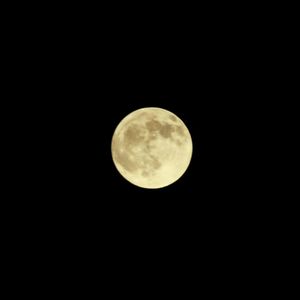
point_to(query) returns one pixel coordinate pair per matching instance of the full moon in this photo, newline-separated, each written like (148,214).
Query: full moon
(151,147)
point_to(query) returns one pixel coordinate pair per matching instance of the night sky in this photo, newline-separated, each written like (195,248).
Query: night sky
(93,83)
(84,77)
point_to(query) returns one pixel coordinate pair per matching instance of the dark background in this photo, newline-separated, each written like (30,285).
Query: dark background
(81,74)
(91,84)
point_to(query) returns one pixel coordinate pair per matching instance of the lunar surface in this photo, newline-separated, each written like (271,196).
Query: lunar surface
(151,147)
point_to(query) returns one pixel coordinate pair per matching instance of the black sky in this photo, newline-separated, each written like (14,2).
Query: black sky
(96,76)
(208,102)
(86,74)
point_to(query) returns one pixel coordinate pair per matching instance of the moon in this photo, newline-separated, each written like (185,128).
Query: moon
(151,147)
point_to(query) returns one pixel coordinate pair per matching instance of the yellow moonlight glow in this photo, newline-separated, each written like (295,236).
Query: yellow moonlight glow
(151,147)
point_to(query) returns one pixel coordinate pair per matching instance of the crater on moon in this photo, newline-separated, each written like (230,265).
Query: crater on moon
(180,130)
(166,130)
(173,118)
(133,135)
(123,158)
(153,125)
(151,147)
